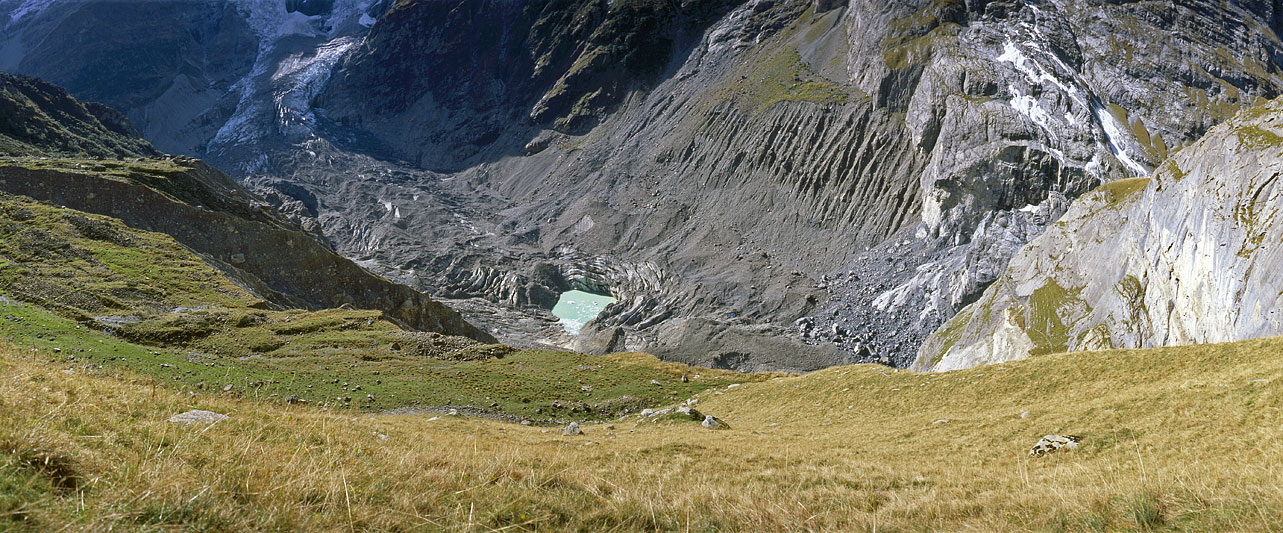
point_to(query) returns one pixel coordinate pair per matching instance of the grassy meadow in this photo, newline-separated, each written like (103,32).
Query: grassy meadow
(1182,439)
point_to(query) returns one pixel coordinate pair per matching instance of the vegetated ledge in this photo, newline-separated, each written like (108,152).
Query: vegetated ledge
(1163,439)
(206,211)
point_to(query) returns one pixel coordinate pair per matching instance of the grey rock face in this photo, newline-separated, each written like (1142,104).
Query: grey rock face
(1020,108)
(870,165)
(963,132)
(1190,255)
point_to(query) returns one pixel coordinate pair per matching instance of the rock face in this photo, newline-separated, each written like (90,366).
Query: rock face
(562,64)
(1191,255)
(724,168)
(873,168)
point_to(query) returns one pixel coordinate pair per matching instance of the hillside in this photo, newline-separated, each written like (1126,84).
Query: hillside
(234,231)
(1172,439)
(115,297)
(1188,255)
(40,118)
(1067,210)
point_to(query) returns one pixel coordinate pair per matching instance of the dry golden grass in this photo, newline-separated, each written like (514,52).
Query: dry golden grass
(1182,438)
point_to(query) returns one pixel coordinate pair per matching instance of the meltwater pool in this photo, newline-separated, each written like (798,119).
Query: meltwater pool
(575,308)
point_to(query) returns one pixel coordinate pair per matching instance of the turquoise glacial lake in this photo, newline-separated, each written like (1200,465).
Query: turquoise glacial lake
(575,308)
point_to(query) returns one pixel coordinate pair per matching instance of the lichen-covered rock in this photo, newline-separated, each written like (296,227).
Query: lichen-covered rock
(1050,444)
(1192,255)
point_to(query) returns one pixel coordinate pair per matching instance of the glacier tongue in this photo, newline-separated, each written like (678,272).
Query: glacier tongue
(295,55)
(26,7)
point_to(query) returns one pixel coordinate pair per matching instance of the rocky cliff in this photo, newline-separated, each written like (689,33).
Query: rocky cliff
(862,171)
(841,177)
(1189,255)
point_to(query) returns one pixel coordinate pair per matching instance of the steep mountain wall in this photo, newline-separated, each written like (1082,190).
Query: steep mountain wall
(840,176)
(864,170)
(224,80)
(1190,255)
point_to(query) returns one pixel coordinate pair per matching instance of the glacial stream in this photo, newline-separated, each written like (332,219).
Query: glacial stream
(574,308)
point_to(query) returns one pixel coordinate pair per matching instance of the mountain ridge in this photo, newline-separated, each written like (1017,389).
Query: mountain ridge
(1182,257)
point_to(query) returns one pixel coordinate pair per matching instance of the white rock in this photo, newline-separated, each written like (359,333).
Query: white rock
(197,416)
(1054,443)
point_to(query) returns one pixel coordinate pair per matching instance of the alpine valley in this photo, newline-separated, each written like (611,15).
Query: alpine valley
(792,264)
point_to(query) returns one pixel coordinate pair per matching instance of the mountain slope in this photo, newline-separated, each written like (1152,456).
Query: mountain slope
(1173,439)
(199,206)
(867,170)
(838,178)
(1187,256)
(39,118)
(224,80)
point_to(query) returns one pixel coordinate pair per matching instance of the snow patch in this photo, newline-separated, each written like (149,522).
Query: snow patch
(1114,132)
(1034,71)
(1028,106)
(28,7)
(1037,75)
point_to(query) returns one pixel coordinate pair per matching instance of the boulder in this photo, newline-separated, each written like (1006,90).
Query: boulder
(609,340)
(197,416)
(1050,444)
(712,422)
(572,429)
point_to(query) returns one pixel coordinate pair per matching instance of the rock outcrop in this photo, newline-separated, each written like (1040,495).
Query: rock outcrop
(1190,255)
(1050,444)
(197,416)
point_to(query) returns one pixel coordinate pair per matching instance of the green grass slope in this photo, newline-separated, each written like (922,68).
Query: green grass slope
(1176,439)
